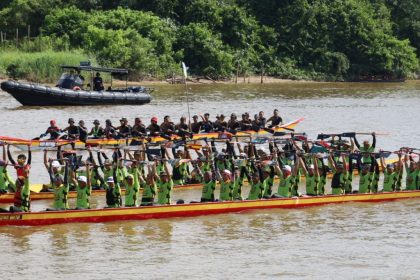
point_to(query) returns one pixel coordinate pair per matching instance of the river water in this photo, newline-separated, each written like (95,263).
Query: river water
(357,240)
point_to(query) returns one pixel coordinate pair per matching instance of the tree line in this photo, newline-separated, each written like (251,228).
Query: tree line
(315,39)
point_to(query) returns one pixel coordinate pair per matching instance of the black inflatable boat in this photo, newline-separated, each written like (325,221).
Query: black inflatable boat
(70,90)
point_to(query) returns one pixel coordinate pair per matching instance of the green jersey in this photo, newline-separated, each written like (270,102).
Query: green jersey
(132,191)
(165,192)
(5,179)
(149,192)
(60,197)
(365,182)
(256,191)
(83,197)
(268,186)
(312,184)
(411,179)
(285,186)
(390,181)
(237,188)
(208,190)
(226,190)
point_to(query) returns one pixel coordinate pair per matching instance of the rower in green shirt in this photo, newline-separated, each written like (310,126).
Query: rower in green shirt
(83,189)
(6,182)
(226,186)
(287,176)
(165,185)
(366,149)
(391,174)
(412,171)
(340,175)
(256,181)
(312,177)
(268,175)
(150,188)
(209,185)
(61,187)
(131,183)
(366,173)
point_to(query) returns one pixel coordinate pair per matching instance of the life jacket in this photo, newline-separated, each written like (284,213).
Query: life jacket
(20,202)
(20,170)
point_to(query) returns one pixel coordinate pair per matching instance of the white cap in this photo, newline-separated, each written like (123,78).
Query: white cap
(311,166)
(227,172)
(287,168)
(55,164)
(82,179)
(110,180)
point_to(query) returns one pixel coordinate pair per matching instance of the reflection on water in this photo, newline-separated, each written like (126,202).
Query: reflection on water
(356,240)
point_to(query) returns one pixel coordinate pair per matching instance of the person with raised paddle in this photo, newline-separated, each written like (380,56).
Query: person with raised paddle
(367,148)
(83,189)
(287,175)
(391,174)
(256,180)
(165,185)
(61,186)
(6,181)
(412,171)
(150,188)
(131,183)
(311,172)
(22,197)
(113,191)
(340,175)
(23,162)
(209,185)
(366,174)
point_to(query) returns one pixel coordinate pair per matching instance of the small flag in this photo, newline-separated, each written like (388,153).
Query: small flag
(184,69)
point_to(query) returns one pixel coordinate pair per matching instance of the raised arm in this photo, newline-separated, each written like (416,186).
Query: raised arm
(28,162)
(9,155)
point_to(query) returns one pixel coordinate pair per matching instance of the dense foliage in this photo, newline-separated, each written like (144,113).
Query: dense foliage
(318,39)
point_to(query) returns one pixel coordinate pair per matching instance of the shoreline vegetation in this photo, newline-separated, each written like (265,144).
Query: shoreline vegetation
(219,40)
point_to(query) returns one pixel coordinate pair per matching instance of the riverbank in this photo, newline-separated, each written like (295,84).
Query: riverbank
(200,80)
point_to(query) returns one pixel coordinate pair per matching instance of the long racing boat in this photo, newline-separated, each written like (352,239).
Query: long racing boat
(188,210)
(44,144)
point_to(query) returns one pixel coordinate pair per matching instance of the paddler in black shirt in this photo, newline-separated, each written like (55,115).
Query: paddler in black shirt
(195,125)
(153,128)
(206,124)
(220,124)
(83,133)
(275,119)
(233,124)
(167,127)
(245,122)
(109,129)
(124,130)
(72,130)
(138,128)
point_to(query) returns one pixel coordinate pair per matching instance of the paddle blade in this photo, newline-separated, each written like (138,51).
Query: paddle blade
(349,134)
(323,136)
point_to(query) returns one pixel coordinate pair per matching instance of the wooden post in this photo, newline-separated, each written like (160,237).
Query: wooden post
(17,37)
(29,31)
(1,36)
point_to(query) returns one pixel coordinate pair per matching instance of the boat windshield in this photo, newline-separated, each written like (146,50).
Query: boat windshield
(69,81)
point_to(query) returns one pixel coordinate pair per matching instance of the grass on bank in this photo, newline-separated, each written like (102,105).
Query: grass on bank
(37,66)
